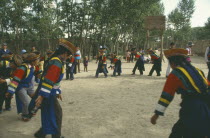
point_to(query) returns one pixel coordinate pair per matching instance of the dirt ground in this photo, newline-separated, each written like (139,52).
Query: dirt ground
(113,107)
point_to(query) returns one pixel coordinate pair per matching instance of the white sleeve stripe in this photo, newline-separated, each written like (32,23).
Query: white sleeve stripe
(8,81)
(45,90)
(160,108)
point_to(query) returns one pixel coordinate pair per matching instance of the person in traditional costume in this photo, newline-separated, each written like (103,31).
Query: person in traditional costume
(190,82)
(156,60)
(139,63)
(49,90)
(22,84)
(70,67)
(5,73)
(102,64)
(172,45)
(117,65)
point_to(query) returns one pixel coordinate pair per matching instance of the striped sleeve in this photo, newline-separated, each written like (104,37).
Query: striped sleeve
(51,77)
(18,76)
(171,86)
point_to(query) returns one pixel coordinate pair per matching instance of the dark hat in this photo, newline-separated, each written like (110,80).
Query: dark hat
(190,44)
(102,47)
(68,45)
(172,44)
(4,44)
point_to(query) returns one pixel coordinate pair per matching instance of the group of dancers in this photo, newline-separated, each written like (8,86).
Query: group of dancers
(19,72)
(116,63)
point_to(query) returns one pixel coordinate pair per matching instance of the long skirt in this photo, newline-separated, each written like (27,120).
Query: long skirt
(194,119)
(51,116)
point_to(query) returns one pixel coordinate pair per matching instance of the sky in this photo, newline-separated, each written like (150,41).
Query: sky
(200,16)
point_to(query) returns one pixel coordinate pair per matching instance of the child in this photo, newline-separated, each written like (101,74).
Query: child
(85,62)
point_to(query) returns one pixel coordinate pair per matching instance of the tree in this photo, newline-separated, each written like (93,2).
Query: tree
(180,17)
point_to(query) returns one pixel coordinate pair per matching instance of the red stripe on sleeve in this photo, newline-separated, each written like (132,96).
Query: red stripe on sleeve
(19,73)
(172,84)
(53,73)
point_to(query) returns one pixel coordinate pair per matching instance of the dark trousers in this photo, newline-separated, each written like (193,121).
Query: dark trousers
(59,116)
(77,67)
(208,77)
(85,68)
(116,68)
(154,69)
(179,131)
(101,68)
(141,72)
(131,57)
(70,72)
(135,67)
(67,72)
(3,90)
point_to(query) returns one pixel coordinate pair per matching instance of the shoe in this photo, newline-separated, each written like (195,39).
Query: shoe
(133,74)
(149,75)
(113,75)
(39,134)
(141,74)
(25,118)
(105,76)
(159,75)
(96,76)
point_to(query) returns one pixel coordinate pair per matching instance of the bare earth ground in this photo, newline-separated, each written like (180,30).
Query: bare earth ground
(113,107)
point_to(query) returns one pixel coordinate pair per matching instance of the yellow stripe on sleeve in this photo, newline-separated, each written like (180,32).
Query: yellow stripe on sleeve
(164,101)
(47,85)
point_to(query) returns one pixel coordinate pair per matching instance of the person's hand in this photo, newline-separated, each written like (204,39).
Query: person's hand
(59,97)
(154,119)
(39,101)
(2,80)
(8,95)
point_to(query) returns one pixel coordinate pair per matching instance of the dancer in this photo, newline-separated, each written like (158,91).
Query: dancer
(190,82)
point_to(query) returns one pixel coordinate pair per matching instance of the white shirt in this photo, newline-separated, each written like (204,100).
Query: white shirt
(189,50)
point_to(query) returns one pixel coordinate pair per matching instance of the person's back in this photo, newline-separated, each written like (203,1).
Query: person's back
(190,82)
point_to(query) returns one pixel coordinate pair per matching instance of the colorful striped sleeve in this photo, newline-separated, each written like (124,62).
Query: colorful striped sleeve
(171,86)
(18,76)
(51,77)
